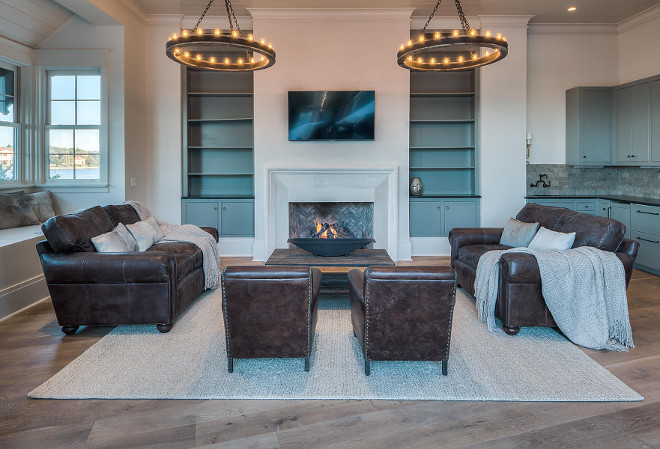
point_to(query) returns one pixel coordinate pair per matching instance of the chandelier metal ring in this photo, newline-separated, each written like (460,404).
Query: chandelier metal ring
(407,56)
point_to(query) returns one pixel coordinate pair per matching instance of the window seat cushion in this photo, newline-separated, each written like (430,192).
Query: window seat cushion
(10,236)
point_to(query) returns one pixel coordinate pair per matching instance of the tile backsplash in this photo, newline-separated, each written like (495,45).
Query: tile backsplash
(566,180)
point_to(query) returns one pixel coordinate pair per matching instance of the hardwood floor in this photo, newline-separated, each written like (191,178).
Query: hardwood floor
(32,348)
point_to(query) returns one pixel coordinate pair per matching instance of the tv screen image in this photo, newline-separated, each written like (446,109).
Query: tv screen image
(332,115)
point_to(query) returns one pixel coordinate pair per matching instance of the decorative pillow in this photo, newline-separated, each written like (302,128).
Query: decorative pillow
(143,233)
(154,224)
(547,239)
(42,205)
(8,217)
(15,210)
(124,233)
(110,242)
(518,233)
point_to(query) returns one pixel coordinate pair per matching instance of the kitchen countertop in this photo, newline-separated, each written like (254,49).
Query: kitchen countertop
(620,198)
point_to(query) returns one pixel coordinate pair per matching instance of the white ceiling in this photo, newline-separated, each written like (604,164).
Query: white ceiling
(30,22)
(544,11)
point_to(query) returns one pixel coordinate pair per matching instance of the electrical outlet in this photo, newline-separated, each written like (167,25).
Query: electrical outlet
(133,182)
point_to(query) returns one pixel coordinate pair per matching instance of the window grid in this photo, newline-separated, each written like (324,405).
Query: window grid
(9,146)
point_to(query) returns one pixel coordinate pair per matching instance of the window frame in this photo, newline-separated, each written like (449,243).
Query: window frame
(76,184)
(17,125)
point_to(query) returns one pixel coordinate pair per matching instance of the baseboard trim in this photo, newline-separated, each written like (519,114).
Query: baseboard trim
(25,294)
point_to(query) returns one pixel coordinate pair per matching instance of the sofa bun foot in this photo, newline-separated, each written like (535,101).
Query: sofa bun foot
(164,327)
(70,330)
(511,330)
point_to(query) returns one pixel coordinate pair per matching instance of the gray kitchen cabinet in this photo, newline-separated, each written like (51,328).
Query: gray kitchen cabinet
(201,213)
(603,208)
(632,105)
(460,214)
(555,202)
(645,228)
(584,205)
(589,126)
(232,217)
(621,212)
(655,122)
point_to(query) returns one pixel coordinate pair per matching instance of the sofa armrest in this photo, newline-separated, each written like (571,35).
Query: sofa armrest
(519,268)
(212,231)
(107,268)
(356,286)
(472,236)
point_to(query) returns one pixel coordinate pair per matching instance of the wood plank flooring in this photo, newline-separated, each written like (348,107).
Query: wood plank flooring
(32,348)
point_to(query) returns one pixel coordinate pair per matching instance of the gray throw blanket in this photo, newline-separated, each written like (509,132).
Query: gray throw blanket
(191,234)
(584,289)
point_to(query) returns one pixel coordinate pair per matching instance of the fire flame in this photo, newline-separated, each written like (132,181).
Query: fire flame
(325,235)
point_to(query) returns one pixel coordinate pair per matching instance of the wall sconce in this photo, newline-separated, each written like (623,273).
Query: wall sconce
(529,145)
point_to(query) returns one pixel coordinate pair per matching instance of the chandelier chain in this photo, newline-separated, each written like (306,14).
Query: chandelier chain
(230,14)
(202,16)
(464,22)
(430,17)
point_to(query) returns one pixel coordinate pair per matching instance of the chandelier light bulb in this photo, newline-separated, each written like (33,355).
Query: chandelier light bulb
(446,60)
(174,36)
(212,60)
(234,33)
(432,60)
(199,57)
(487,53)
(460,59)
(250,37)
(184,33)
(240,61)
(421,38)
(216,32)
(487,34)
(226,60)
(455,33)
(200,31)
(402,47)
(498,36)
(473,32)
(409,43)
(474,56)
(437,35)
(186,54)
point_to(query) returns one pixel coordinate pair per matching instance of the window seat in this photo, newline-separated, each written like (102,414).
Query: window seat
(17,235)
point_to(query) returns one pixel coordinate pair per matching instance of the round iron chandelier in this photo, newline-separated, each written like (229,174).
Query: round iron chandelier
(452,51)
(209,50)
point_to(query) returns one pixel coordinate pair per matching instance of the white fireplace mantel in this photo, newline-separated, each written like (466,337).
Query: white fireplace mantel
(288,184)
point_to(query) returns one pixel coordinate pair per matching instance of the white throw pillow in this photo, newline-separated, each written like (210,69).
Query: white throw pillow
(110,242)
(547,239)
(143,233)
(154,224)
(131,243)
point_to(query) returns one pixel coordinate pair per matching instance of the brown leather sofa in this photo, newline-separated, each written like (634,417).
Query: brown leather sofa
(91,288)
(269,311)
(520,301)
(403,313)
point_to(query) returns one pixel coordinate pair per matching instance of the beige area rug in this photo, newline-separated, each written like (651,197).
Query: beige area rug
(190,362)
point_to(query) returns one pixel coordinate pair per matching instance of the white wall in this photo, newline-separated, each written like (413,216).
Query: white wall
(639,49)
(558,58)
(502,108)
(163,125)
(332,50)
(78,34)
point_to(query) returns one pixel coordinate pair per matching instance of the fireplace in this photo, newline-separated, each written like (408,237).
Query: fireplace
(331,228)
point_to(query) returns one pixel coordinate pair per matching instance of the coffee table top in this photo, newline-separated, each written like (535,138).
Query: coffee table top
(358,258)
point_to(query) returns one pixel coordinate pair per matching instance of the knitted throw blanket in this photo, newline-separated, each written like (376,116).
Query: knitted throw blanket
(191,234)
(584,289)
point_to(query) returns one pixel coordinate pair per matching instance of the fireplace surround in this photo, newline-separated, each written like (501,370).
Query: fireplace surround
(375,184)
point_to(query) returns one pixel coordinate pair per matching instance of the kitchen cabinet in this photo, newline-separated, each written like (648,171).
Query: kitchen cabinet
(232,217)
(621,212)
(655,122)
(632,106)
(645,228)
(436,217)
(584,205)
(589,126)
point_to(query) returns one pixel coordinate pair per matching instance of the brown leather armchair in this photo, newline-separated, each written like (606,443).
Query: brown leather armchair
(403,313)
(520,300)
(269,311)
(91,288)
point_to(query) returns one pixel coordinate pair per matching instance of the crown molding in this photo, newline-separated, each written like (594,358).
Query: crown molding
(640,19)
(572,29)
(331,14)
(516,21)
(442,23)
(134,8)
(171,20)
(216,22)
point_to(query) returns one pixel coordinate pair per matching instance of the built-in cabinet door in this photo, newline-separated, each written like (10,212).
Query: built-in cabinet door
(460,214)
(425,218)
(595,126)
(236,218)
(623,106)
(621,212)
(201,213)
(603,208)
(655,121)
(641,96)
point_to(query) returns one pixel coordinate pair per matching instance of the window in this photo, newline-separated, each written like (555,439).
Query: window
(75,126)
(9,124)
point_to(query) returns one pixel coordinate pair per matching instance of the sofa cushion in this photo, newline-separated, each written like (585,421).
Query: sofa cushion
(547,239)
(144,234)
(470,254)
(42,205)
(110,242)
(122,213)
(546,216)
(188,256)
(518,234)
(599,232)
(74,232)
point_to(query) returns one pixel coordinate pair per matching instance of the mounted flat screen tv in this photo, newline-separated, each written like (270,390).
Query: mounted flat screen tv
(331,115)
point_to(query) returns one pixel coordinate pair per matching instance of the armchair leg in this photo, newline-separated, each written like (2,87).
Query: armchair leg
(444,367)
(70,330)
(307,364)
(367,367)
(164,328)
(513,330)
(230,364)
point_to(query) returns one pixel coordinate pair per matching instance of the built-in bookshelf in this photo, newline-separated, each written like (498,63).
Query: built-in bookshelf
(218,161)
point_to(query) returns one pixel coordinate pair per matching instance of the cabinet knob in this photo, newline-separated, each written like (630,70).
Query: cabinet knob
(584,157)
(215,208)
(447,207)
(224,208)
(438,207)
(632,155)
